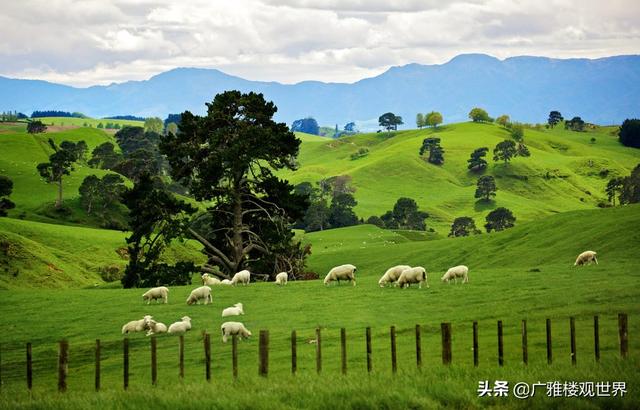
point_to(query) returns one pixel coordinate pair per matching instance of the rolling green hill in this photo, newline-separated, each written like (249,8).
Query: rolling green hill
(562,174)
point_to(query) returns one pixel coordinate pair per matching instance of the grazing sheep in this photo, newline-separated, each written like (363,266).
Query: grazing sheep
(234,328)
(136,325)
(413,275)
(155,327)
(281,278)
(342,272)
(242,277)
(225,282)
(210,280)
(182,326)
(392,274)
(586,258)
(160,292)
(203,292)
(456,272)
(235,310)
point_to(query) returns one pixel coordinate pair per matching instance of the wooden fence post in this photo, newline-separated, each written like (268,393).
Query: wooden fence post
(97,379)
(234,356)
(525,346)
(475,344)
(154,362)
(623,333)
(572,334)
(596,337)
(343,350)
(63,365)
(394,362)
(500,345)
(549,348)
(368,341)
(29,367)
(125,364)
(181,357)
(207,356)
(418,347)
(264,353)
(446,342)
(294,352)
(318,351)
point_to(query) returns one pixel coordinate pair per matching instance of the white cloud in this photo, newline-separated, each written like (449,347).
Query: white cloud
(85,42)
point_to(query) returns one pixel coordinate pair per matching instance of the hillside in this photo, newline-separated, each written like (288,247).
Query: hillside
(603,91)
(562,174)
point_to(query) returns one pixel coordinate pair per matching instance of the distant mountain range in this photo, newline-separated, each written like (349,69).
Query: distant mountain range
(602,91)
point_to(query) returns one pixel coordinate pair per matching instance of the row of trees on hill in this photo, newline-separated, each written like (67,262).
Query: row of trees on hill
(497,220)
(55,113)
(431,119)
(10,116)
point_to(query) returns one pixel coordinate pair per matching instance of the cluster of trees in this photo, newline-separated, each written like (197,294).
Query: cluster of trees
(108,126)
(479,115)
(404,215)
(307,125)
(36,127)
(627,189)
(54,113)
(432,119)
(12,116)
(101,195)
(629,133)
(497,220)
(436,153)
(331,204)
(6,187)
(61,163)
(124,117)
(574,124)
(389,121)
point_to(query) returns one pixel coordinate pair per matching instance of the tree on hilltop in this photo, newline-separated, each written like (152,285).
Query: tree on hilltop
(554,118)
(390,121)
(479,115)
(433,119)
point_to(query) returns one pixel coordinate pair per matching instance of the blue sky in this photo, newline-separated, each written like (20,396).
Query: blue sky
(86,42)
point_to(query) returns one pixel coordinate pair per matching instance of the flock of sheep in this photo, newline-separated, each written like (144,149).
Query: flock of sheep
(400,275)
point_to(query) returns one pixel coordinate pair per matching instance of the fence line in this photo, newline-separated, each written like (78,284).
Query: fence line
(263,351)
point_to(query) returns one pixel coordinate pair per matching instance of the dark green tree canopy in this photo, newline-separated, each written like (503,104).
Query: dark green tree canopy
(629,133)
(436,153)
(341,211)
(575,124)
(104,156)
(308,125)
(36,127)
(479,115)
(463,226)
(390,121)
(486,187)
(6,187)
(631,187)
(405,215)
(554,118)
(614,187)
(60,164)
(499,219)
(477,161)
(505,151)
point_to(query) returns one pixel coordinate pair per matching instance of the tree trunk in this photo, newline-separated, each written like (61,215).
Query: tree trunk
(59,200)
(237,229)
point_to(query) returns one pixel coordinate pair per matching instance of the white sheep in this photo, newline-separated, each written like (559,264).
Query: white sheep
(180,327)
(225,282)
(586,258)
(235,310)
(155,327)
(234,328)
(416,274)
(456,272)
(342,272)
(281,278)
(136,325)
(210,280)
(203,292)
(244,276)
(392,274)
(160,292)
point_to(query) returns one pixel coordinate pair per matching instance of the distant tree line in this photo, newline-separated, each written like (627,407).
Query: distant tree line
(404,215)
(124,117)
(12,116)
(54,113)
(307,125)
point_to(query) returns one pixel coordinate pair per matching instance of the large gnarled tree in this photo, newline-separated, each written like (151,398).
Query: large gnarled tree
(228,157)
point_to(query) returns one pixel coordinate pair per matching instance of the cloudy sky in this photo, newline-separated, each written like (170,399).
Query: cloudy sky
(86,42)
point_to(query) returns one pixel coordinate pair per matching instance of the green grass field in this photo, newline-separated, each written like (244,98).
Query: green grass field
(90,122)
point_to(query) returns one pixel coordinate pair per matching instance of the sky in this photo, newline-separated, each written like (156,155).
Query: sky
(90,42)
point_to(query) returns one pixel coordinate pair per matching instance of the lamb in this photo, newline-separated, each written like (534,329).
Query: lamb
(155,327)
(417,275)
(136,325)
(281,278)
(586,258)
(180,327)
(234,328)
(456,272)
(160,292)
(392,274)
(235,310)
(210,280)
(203,292)
(243,277)
(342,272)
(225,282)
